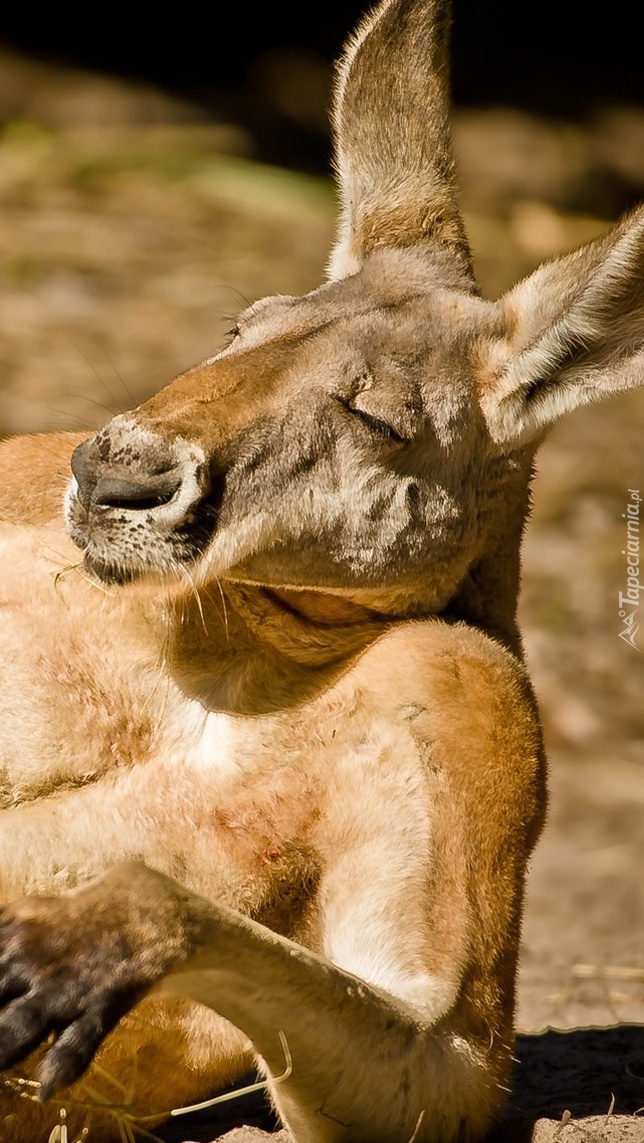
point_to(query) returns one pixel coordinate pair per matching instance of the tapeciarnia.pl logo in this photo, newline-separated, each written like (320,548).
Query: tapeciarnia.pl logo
(629,600)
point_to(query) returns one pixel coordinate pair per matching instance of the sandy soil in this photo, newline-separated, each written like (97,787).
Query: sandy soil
(129,237)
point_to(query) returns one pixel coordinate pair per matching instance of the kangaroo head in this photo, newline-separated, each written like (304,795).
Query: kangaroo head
(373,438)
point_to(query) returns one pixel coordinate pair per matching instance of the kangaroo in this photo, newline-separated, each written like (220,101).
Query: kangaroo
(272,767)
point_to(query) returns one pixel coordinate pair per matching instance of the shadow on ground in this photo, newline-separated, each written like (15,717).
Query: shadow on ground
(579,1071)
(576,1072)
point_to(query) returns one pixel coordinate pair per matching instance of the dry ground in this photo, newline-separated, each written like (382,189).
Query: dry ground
(130,234)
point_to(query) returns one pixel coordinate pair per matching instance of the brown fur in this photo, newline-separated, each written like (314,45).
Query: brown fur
(271,763)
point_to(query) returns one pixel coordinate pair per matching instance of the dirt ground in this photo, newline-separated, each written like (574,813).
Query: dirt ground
(131,233)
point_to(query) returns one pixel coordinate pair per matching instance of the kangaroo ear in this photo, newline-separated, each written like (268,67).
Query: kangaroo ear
(574,334)
(393,152)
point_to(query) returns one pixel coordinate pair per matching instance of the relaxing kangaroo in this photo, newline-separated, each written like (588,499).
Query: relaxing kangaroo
(272,748)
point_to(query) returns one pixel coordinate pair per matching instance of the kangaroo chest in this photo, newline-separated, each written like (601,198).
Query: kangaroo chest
(246,809)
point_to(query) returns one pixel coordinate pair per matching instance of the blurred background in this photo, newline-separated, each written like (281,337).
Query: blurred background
(161,168)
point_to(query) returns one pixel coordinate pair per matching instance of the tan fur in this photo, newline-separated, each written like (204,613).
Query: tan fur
(287,780)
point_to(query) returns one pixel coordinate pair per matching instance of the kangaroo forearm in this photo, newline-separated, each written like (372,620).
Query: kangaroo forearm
(88,830)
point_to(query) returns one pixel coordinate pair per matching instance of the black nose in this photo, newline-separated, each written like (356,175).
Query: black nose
(115,492)
(136,492)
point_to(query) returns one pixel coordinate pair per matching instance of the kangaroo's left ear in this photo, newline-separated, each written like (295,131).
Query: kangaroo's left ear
(574,333)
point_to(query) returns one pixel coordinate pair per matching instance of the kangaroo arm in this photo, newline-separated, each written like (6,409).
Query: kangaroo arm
(145,811)
(346,1039)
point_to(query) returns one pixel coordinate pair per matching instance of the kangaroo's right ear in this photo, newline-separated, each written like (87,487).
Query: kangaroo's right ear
(393,152)
(574,334)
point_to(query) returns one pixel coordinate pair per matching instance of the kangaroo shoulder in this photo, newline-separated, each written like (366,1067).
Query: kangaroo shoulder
(34,473)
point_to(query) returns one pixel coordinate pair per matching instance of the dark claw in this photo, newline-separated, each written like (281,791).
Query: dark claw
(74,965)
(23,1025)
(69,1057)
(74,1049)
(13,983)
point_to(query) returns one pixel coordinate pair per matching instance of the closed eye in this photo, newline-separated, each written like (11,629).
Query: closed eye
(374,424)
(381,428)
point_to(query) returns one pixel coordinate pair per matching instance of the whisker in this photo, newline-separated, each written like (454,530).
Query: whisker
(68,416)
(223,604)
(80,395)
(130,395)
(99,376)
(197,598)
(32,536)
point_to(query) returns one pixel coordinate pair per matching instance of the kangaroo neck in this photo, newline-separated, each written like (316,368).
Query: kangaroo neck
(251,649)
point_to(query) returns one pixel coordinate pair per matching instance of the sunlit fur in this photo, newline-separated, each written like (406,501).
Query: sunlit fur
(273,656)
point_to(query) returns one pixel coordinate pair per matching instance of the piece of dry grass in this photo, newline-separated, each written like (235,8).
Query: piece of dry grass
(60,1134)
(610,971)
(130,1127)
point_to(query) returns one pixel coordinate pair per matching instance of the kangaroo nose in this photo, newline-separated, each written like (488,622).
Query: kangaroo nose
(138,491)
(116,492)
